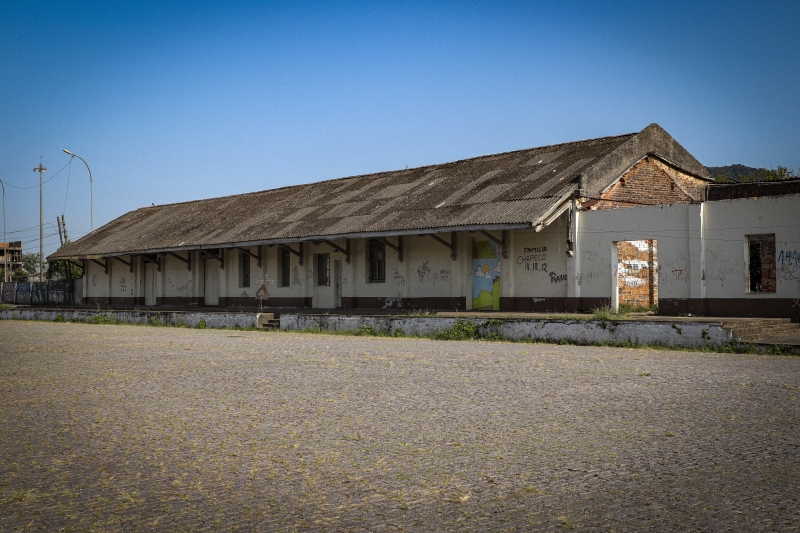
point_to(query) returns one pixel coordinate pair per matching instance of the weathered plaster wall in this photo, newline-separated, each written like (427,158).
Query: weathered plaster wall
(702,272)
(600,230)
(727,225)
(539,261)
(97,286)
(677,333)
(178,280)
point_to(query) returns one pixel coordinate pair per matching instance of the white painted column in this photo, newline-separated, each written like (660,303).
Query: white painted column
(697,284)
(614,277)
(574,262)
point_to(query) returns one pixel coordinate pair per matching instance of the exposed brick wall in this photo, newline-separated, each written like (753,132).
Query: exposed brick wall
(638,273)
(694,187)
(768,262)
(651,182)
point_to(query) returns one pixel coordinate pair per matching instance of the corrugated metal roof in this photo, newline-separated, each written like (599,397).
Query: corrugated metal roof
(513,188)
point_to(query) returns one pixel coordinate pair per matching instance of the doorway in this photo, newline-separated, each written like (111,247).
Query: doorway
(149,284)
(211,276)
(637,275)
(337,283)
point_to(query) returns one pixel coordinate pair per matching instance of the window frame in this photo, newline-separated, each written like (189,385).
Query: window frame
(323,264)
(244,269)
(376,261)
(760,274)
(285,267)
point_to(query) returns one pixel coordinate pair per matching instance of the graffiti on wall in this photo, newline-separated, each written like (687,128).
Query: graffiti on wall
(533,259)
(719,268)
(789,264)
(486,279)
(442,275)
(423,271)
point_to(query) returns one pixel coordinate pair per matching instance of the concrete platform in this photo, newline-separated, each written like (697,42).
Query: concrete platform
(640,328)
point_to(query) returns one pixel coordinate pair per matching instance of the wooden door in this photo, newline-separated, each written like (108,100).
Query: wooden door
(149,284)
(337,283)
(211,293)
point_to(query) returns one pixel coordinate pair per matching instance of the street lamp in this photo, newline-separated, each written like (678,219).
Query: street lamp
(5,240)
(91,202)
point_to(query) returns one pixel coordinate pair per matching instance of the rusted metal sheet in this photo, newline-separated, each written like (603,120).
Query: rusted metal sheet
(23,295)
(39,293)
(9,292)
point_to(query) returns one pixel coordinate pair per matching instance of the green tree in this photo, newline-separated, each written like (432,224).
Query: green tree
(30,263)
(58,270)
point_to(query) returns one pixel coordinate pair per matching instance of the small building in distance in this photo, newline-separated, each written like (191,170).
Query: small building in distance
(627,221)
(14,252)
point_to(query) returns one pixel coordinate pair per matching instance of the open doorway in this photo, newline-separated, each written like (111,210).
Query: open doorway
(637,276)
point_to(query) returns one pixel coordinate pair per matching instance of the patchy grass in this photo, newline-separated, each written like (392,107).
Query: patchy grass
(103,319)
(628,308)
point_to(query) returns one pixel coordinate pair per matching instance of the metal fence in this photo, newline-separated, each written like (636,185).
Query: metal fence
(35,293)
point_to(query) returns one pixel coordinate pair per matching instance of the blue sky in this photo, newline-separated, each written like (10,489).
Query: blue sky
(174,101)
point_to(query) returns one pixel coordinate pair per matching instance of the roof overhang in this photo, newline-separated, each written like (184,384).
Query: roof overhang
(315,238)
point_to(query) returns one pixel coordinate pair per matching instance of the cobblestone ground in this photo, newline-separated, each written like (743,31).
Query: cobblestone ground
(125,428)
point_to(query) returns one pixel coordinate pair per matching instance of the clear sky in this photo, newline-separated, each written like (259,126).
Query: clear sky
(174,101)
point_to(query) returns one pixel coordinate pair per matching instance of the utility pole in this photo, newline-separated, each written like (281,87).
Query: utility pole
(67,263)
(40,169)
(64,227)
(60,237)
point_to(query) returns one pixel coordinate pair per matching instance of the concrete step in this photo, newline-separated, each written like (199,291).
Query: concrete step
(757,322)
(268,320)
(769,332)
(764,330)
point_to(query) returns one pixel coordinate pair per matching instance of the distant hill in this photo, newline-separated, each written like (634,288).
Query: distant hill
(745,173)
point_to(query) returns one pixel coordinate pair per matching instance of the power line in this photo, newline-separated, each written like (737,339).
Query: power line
(36,186)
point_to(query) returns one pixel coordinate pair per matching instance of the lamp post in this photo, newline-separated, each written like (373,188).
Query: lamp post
(91,202)
(5,240)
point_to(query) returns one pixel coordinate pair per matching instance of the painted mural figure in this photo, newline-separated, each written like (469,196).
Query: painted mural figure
(486,281)
(262,293)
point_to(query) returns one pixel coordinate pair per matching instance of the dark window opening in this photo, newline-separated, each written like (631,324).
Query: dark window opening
(285,267)
(244,270)
(324,270)
(755,267)
(761,264)
(377,262)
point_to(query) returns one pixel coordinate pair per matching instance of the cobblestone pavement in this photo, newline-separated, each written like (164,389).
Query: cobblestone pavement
(126,428)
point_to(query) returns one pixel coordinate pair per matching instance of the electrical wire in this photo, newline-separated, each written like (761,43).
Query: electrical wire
(69,173)
(51,178)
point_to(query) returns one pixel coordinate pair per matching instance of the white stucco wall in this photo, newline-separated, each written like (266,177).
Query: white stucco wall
(539,262)
(728,222)
(668,225)
(685,253)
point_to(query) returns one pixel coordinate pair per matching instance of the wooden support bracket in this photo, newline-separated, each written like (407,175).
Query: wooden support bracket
(452,244)
(220,257)
(152,258)
(130,265)
(295,252)
(502,242)
(254,256)
(187,261)
(345,251)
(103,264)
(398,248)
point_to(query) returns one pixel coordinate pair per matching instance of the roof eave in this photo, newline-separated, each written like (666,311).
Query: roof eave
(314,238)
